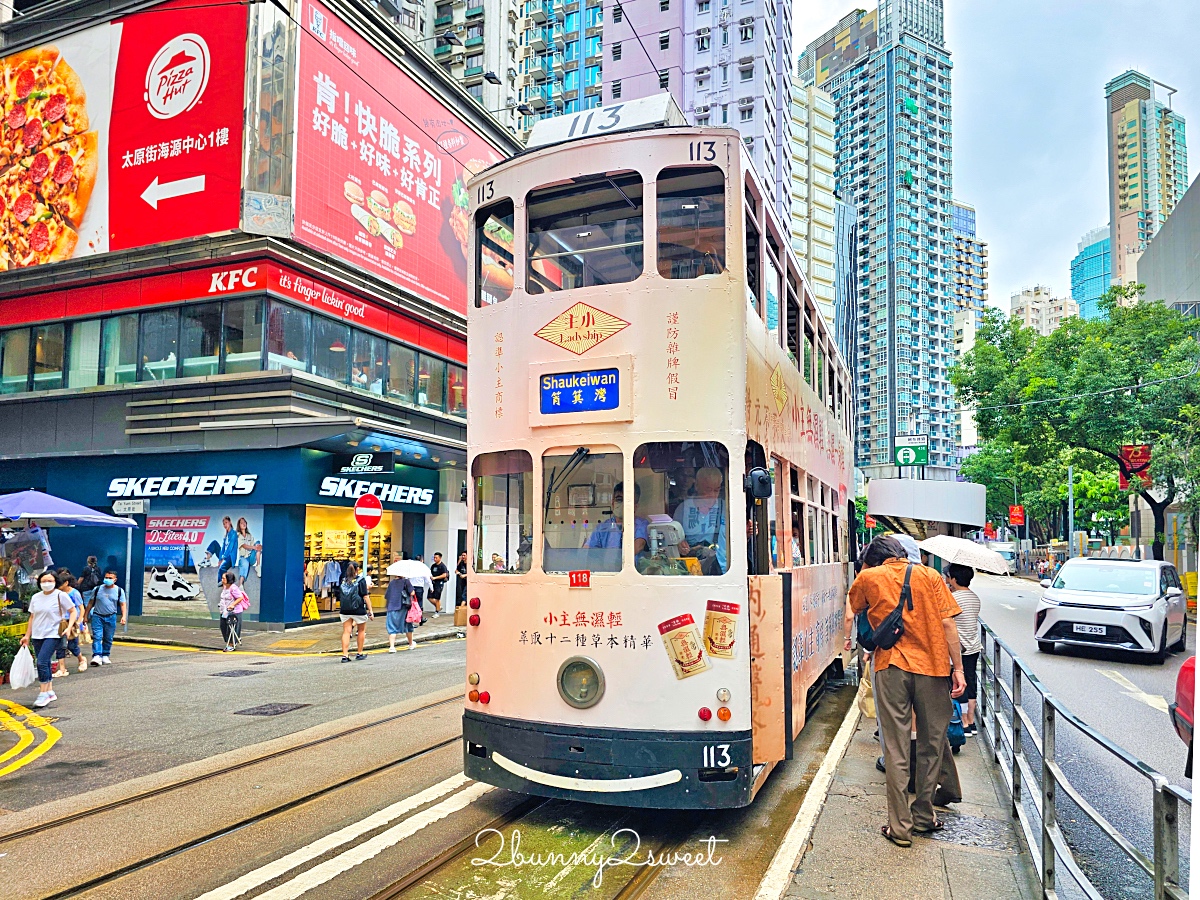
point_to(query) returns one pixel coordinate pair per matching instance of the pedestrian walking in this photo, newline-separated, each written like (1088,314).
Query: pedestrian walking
(958,579)
(233,603)
(69,644)
(440,575)
(48,610)
(911,677)
(108,601)
(354,608)
(400,598)
(89,579)
(460,581)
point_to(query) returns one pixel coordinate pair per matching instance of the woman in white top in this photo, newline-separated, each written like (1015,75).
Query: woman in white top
(47,609)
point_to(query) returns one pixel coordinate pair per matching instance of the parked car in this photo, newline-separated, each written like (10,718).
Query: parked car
(1122,604)
(1182,710)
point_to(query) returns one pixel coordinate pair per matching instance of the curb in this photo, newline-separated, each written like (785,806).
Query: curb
(445,634)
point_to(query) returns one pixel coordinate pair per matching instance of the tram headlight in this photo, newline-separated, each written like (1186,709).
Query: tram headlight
(580,682)
(723,695)
(473,678)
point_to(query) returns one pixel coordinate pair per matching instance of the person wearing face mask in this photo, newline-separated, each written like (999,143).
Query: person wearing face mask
(47,610)
(109,600)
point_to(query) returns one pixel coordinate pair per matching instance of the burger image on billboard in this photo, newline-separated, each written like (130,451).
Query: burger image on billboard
(353,192)
(177,76)
(404,217)
(379,205)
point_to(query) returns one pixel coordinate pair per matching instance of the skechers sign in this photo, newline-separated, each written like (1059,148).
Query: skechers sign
(570,392)
(351,489)
(184,486)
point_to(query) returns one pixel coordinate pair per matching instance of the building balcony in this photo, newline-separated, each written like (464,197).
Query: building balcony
(473,41)
(537,10)
(535,39)
(472,70)
(537,70)
(473,11)
(441,50)
(537,97)
(443,20)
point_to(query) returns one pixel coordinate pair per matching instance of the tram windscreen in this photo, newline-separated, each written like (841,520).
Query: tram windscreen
(585,232)
(503,511)
(683,498)
(583,512)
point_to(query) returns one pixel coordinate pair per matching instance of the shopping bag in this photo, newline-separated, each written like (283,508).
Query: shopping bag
(23,672)
(460,616)
(866,697)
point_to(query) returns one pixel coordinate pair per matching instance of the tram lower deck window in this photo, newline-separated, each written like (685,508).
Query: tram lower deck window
(683,489)
(585,232)
(503,511)
(691,221)
(584,512)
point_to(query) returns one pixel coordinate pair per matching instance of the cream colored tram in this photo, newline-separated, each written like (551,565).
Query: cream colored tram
(643,629)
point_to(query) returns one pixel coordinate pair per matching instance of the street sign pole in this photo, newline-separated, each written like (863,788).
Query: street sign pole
(1070,511)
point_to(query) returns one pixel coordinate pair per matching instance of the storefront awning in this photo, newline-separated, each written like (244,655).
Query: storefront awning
(413,449)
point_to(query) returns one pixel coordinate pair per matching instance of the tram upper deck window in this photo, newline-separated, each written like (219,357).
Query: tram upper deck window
(683,498)
(494,243)
(503,511)
(583,512)
(691,222)
(586,232)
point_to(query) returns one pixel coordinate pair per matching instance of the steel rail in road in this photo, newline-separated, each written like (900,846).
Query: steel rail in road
(1007,736)
(272,756)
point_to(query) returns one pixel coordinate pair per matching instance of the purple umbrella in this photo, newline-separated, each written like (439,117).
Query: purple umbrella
(48,511)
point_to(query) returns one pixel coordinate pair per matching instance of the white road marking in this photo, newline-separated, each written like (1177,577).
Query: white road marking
(1006,606)
(283,865)
(355,856)
(1132,690)
(787,857)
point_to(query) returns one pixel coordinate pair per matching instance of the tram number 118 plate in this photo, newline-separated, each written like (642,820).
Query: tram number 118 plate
(716,756)
(580,579)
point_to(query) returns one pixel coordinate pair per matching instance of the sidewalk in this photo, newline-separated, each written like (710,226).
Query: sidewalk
(977,857)
(325,637)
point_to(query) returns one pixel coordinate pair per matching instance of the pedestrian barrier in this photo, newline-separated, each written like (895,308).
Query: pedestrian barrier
(1034,781)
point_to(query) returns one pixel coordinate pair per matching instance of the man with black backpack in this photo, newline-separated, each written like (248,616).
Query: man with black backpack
(911,613)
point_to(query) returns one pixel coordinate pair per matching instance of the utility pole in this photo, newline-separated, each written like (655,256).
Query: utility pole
(1071,510)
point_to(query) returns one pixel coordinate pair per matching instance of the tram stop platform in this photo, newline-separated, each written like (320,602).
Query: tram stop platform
(306,640)
(977,857)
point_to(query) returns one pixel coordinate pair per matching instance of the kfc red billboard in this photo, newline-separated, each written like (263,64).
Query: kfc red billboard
(124,134)
(381,165)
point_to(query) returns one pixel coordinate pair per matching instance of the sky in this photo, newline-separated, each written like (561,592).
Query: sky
(1030,150)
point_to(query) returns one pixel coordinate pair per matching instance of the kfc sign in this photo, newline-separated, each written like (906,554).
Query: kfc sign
(233,280)
(177,76)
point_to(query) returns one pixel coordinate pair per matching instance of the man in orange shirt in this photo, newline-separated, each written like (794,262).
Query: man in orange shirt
(911,677)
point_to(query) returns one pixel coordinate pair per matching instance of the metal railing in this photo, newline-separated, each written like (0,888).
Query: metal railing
(1007,735)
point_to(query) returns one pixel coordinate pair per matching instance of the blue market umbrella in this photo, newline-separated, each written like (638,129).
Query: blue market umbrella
(49,511)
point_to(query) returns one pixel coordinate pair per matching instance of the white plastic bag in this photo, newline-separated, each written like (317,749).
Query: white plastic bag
(23,672)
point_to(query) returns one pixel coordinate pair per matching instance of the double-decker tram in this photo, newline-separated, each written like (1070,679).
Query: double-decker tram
(659,454)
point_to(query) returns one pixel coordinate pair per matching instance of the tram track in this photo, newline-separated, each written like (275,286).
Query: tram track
(272,756)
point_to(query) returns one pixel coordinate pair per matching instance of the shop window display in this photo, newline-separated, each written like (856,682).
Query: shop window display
(431,382)
(370,363)
(402,369)
(456,390)
(331,539)
(287,337)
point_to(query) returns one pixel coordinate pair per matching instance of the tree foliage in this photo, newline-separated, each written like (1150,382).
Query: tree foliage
(1090,386)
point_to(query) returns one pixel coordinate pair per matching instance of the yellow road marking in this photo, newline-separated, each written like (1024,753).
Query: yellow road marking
(337,652)
(32,721)
(288,643)
(24,736)
(1154,701)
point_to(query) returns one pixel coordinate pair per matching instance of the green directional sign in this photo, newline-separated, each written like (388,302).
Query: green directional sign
(911,450)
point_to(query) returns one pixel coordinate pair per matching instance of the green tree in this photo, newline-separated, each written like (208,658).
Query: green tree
(1091,385)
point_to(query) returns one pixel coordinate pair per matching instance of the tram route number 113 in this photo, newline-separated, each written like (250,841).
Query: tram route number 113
(702,151)
(716,756)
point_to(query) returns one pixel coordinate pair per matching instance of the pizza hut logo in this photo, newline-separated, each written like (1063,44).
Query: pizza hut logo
(177,76)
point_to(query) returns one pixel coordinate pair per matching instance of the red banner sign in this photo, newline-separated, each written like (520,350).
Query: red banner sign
(1016,515)
(175,530)
(1136,458)
(989,530)
(869,521)
(381,165)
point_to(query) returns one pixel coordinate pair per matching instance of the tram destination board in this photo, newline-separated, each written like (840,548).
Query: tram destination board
(589,391)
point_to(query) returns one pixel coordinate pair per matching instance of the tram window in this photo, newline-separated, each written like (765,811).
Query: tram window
(583,512)
(797,533)
(691,222)
(812,535)
(494,245)
(503,511)
(808,355)
(685,504)
(585,232)
(752,295)
(774,507)
(793,327)
(820,372)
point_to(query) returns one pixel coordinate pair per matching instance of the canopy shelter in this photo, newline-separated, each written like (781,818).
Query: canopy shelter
(27,507)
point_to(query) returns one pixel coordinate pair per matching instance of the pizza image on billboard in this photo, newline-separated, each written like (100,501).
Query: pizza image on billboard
(49,160)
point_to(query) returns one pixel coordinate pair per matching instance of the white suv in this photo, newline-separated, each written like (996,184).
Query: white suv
(1136,605)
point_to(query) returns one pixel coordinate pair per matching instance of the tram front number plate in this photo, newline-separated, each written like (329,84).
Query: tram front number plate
(580,579)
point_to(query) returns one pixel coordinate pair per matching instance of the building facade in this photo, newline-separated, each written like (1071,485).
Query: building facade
(484,57)
(845,299)
(1147,165)
(266,345)
(1091,272)
(889,74)
(1170,267)
(970,264)
(814,215)
(966,433)
(1039,309)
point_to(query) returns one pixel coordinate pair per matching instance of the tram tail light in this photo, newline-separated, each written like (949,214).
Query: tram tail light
(724,714)
(474,602)
(485,697)
(474,619)
(473,696)
(705,714)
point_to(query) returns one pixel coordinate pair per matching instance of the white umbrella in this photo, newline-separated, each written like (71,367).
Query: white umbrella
(965,553)
(410,568)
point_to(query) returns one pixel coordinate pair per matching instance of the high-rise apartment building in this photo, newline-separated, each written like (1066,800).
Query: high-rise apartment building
(1039,309)
(966,432)
(560,59)
(970,263)
(845,294)
(1147,165)
(888,72)
(1091,272)
(813,204)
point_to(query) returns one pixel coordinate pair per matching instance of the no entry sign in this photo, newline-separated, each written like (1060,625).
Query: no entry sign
(368,511)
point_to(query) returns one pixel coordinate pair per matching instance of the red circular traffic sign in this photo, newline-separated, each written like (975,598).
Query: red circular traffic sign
(368,511)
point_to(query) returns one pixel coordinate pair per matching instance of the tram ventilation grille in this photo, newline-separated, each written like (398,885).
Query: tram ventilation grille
(235,673)
(271,709)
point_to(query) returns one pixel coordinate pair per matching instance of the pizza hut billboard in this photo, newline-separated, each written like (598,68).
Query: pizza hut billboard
(124,134)
(381,165)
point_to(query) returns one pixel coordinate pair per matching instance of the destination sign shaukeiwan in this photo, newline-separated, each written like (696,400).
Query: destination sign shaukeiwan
(568,392)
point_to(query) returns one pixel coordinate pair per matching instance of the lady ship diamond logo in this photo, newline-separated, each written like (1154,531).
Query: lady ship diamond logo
(581,328)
